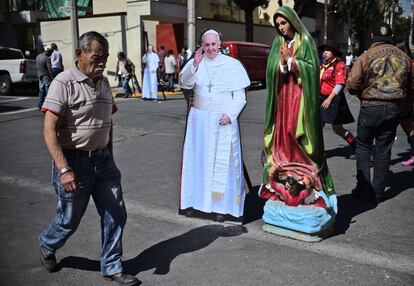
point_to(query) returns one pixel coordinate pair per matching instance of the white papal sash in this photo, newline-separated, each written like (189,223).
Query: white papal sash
(221,164)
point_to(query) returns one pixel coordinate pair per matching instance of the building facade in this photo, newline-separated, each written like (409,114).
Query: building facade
(130,25)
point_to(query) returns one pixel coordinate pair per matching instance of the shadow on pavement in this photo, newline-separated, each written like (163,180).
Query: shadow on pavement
(398,183)
(344,151)
(402,157)
(161,255)
(349,207)
(253,206)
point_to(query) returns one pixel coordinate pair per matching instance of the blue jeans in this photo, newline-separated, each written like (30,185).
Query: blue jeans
(171,81)
(380,123)
(98,177)
(44,83)
(125,85)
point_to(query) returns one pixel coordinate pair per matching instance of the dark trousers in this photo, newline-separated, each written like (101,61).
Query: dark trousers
(377,123)
(125,85)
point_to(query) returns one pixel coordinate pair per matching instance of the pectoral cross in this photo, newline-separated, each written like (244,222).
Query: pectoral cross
(210,85)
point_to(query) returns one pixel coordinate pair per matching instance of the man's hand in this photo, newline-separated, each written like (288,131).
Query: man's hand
(224,120)
(198,57)
(69,182)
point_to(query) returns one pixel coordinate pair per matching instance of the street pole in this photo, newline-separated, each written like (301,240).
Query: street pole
(325,24)
(191,25)
(74,27)
(412,25)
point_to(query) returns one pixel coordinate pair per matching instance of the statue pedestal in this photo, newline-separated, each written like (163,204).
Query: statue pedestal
(306,237)
(304,222)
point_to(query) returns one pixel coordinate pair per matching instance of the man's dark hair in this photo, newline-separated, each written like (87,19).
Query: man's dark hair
(86,39)
(121,55)
(53,46)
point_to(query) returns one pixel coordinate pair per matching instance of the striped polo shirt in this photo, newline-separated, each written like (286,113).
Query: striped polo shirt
(85,110)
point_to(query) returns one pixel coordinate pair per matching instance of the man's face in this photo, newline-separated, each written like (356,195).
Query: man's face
(49,52)
(327,56)
(149,49)
(92,63)
(211,44)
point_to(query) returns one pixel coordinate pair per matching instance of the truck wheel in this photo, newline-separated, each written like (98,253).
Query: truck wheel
(5,84)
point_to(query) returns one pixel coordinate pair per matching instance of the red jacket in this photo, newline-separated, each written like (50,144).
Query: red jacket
(332,74)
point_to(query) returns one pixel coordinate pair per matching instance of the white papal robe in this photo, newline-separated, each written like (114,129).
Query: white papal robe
(212,169)
(149,82)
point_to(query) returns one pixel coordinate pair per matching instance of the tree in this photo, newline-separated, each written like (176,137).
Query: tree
(248,6)
(401,29)
(300,6)
(359,16)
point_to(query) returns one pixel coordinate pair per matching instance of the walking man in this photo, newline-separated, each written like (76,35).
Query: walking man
(44,73)
(126,68)
(78,135)
(56,60)
(382,78)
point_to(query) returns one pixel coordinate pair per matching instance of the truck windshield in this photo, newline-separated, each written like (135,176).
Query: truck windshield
(6,54)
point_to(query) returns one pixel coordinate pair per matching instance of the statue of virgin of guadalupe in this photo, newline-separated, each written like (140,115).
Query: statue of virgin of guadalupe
(296,178)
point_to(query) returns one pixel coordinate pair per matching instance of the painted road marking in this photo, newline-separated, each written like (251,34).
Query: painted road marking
(19,111)
(12,99)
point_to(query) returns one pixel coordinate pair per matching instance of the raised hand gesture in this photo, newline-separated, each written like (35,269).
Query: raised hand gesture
(198,57)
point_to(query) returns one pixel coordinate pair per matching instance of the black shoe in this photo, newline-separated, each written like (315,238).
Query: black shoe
(123,279)
(219,218)
(48,261)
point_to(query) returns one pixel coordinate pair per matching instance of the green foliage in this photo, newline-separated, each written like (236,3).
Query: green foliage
(359,16)
(401,29)
(301,6)
(248,6)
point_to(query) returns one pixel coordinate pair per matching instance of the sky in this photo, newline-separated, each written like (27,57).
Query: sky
(406,5)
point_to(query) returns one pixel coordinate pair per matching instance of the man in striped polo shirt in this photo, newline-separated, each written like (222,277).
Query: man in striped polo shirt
(78,135)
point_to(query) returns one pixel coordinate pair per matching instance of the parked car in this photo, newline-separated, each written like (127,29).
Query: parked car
(15,69)
(252,55)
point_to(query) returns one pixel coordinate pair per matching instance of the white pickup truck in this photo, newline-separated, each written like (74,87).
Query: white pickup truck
(15,69)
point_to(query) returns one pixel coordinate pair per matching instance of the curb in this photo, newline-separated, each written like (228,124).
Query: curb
(139,95)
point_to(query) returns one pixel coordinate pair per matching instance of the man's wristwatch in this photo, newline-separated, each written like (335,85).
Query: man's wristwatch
(64,171)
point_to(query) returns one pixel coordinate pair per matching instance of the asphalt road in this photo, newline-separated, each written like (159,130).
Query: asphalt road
(369,246)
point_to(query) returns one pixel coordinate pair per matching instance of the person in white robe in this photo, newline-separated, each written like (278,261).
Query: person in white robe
(212,178)
(149,82)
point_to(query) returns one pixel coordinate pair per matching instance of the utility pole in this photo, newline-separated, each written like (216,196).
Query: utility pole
(325,23)
(74,27)
(412,25)
(191,25)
